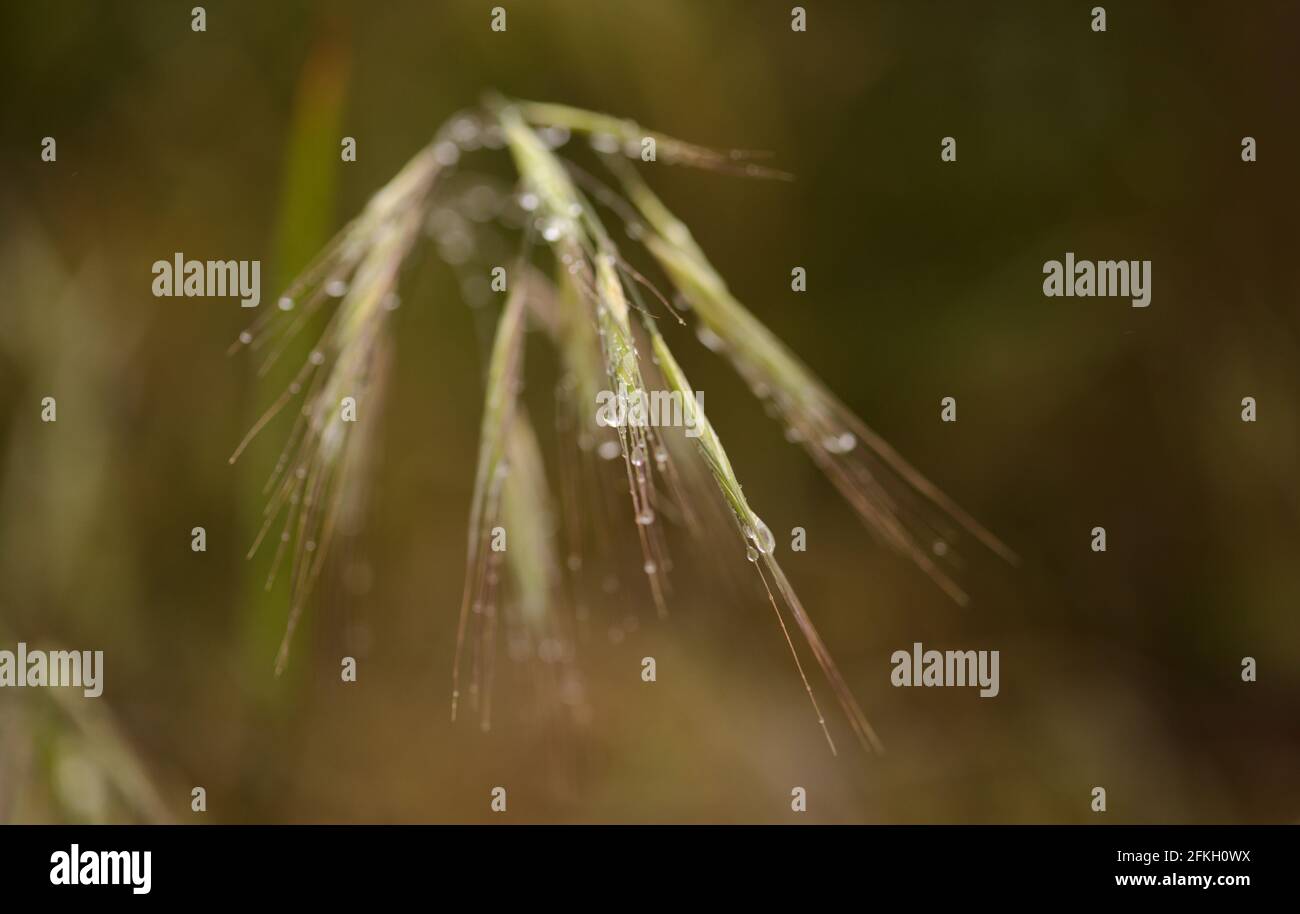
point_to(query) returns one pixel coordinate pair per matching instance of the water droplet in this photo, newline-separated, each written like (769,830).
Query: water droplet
(553,229)
(841,443)
(285,303)
(528,201)
(761,536)
(661,455)
(246,337)
(480,203)
(638,456)
(555,136)
(317,357)
(646,517)
(336,288)
(446,153)
(455,241)
(609,450)
(604,142)
(710,339)
(751,553)
(465,131)
(940,548)
(651,568)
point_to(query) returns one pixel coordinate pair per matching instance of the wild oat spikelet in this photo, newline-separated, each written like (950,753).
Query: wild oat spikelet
(343,374)
(587,313)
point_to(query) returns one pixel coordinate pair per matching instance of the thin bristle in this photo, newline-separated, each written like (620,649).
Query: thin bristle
(888,494)
(587,313)
(504,370)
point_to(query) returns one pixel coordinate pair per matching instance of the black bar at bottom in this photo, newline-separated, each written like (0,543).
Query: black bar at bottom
(331,863)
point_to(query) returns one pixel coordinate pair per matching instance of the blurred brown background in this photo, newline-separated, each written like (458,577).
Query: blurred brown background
(1120,670)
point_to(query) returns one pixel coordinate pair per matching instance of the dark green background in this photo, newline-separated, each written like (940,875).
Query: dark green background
(1120,670)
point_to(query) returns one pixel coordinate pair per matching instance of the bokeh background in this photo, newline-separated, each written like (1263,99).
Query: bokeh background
(1120,670)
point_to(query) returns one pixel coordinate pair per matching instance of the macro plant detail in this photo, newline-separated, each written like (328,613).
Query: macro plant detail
(570,281)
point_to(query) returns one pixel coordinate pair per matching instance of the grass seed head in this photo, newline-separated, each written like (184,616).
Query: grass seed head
(588,314)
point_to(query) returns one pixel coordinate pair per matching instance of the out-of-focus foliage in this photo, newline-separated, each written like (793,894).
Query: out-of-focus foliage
(923,282)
